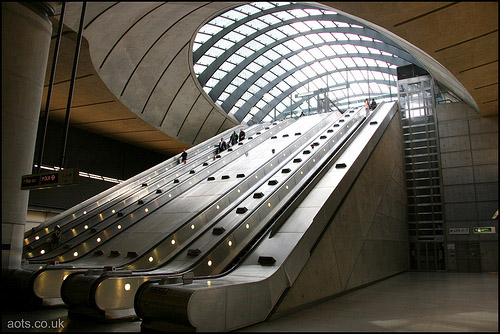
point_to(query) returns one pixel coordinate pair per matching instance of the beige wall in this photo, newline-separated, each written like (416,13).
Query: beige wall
(367,238)
(468,146)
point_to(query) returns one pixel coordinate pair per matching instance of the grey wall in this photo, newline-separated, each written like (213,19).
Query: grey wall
(469,160)
(89,153)
(367,238)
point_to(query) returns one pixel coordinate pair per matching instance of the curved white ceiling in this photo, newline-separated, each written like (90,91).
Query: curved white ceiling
(143,51)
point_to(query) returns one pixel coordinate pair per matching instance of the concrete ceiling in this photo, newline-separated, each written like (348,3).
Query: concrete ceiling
(135,84)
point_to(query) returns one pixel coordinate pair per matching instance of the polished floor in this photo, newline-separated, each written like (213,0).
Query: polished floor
(409,302)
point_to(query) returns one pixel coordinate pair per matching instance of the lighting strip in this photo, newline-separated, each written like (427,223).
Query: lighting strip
(84,174)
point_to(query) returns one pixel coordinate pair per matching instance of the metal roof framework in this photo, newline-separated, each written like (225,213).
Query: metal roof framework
(253,59)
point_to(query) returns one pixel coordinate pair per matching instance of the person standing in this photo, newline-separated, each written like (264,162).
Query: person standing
(234,138)
(373,105)
(184,156)
(55,239)
(367,107)
(242,135)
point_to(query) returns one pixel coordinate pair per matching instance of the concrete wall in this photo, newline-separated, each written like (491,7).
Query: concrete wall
(367,238)
(469,160)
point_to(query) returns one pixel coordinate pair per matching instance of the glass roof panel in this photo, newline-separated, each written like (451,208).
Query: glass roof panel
(234,15)
(306,68)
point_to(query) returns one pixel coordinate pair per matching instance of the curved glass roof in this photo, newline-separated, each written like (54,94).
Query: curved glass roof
(261,60)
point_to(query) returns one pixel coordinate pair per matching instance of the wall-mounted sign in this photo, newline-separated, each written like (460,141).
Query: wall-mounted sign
(484,229)
(50,179)
(459,230)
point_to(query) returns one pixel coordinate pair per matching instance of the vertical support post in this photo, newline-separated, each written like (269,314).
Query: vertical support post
(368,76)
(347,84)
(72,85)
(51,84)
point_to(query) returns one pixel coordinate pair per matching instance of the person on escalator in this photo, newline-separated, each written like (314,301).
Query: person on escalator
(55,239)
(184,156)
(222,146)
(234,138)
(367,107)
(241,135)
(373,105)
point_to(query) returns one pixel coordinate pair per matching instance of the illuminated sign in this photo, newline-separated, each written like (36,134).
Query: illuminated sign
(459,230)
(50,179)
(484,229)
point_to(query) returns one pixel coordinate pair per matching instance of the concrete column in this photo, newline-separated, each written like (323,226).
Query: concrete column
(26,34)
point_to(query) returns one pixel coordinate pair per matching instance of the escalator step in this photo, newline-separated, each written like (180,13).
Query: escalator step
(218,230)
(266,260)
(241,210)
(194,252)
